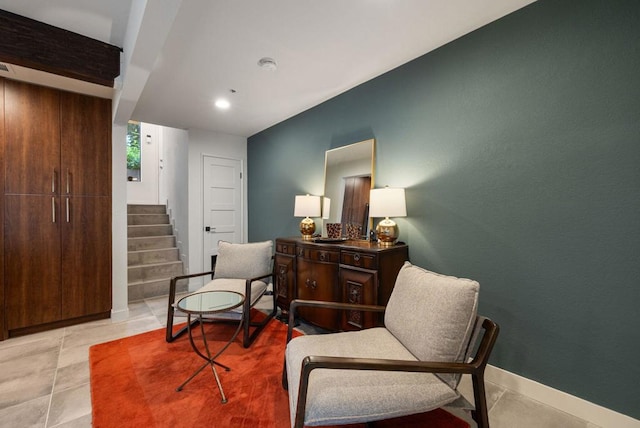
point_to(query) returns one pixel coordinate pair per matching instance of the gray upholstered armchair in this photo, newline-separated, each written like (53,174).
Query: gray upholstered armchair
(243,268)
(411,365)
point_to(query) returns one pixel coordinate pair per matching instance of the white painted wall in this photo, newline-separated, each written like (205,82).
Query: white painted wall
(147,29)
(119,297)
(174,185)
(212,144)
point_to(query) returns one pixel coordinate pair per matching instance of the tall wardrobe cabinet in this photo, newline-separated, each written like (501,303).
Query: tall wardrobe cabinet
(56,166)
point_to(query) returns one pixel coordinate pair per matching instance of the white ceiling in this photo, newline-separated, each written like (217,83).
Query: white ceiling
(322,48)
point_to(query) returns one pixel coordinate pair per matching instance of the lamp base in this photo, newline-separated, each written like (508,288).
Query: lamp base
(387,233)
(307,228)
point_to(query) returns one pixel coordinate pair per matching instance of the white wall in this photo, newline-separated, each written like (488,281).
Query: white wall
(120,308)
(212,144)
(174,185)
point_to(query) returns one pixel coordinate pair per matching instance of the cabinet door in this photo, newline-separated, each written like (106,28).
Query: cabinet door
(285,281)
(32,260)
(86,256)
(32,135)
(85,137)
(359,287)
(318,281)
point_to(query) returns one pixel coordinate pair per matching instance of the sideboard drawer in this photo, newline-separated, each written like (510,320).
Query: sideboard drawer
(285,248)
(359,259)
(320,255)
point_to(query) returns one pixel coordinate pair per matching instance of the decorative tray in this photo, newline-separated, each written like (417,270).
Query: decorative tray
(322,240)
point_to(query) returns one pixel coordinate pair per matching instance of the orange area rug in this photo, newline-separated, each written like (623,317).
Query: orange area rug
(134,381)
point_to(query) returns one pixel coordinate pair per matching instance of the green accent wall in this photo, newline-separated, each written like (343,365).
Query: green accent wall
(519,148)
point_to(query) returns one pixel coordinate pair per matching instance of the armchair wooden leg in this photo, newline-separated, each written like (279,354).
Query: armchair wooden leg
(285,380)
(481,412)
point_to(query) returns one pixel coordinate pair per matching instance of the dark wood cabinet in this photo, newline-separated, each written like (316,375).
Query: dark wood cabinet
(85,137)
(56,228)
(317,279)
(86,280)
(32,260)
(285,265)
(350,271)
(32,142)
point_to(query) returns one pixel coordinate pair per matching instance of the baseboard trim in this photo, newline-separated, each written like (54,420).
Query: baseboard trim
(583,409)
(121,315)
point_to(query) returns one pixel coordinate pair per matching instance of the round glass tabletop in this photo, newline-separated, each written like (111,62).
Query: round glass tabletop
(210,302)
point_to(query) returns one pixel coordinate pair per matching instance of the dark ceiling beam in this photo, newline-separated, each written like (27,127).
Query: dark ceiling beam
(33,44)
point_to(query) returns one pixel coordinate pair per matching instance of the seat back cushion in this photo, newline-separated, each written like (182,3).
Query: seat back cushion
(432,314)
(243,260)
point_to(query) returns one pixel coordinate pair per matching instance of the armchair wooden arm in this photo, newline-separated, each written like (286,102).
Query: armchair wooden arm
(170,336)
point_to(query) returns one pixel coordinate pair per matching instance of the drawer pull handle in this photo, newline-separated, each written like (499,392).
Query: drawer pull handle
(356,257)
(323,257)
(284,248)
(310,283)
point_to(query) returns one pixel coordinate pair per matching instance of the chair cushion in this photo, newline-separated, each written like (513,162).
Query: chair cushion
(337,396)
(238,285)
(243,260)
(432,315)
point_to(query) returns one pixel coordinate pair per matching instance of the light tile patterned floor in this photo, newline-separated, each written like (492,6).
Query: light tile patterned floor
(44,378)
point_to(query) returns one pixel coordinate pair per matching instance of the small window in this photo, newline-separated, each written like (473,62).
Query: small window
(133,151)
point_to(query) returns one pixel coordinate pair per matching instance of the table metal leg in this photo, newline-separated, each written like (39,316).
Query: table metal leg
(210,361)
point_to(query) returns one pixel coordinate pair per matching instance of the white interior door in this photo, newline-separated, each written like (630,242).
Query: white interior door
(222,202)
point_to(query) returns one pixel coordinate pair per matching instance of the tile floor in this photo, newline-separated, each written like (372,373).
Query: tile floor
(44,378)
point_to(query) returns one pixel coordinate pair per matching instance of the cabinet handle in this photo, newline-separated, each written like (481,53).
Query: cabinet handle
(68,215)
(53,209)
(53,182)
(67,181)
(312,284)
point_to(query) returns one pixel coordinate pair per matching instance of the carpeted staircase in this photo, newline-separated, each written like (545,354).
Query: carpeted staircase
(153,257)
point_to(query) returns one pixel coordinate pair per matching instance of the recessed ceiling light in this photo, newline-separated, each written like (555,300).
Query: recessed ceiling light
(268,63)
(223,104)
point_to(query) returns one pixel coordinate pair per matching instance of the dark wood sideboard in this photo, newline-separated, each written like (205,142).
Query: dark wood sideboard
(349,271)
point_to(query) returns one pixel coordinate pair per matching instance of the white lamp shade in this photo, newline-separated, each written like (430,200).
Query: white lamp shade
(326,207)
(307,206)
(387,202)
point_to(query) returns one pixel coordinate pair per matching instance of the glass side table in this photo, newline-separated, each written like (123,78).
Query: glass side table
(207,303)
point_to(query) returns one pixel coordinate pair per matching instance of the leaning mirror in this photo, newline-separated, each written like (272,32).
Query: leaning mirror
(348,178)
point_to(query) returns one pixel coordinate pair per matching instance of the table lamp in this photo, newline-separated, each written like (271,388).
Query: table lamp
(387,202)
(307,206)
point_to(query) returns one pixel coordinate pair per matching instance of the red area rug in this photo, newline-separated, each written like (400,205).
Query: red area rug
(134,380)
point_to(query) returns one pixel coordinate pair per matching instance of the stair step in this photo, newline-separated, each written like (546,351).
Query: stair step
(153,271)
(143,219)
(154,288)
(149,230)
(146,209)
(142,257)
(153,258)
(150,243)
